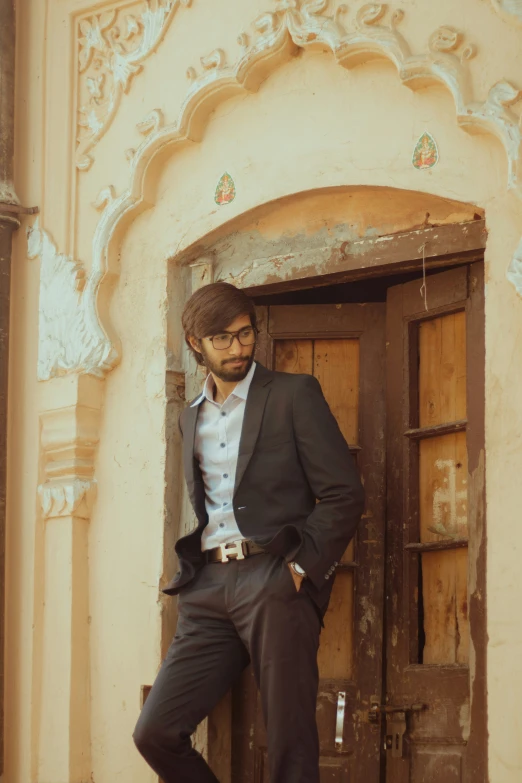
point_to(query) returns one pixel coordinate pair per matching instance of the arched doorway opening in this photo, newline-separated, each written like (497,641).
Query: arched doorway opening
(394,331)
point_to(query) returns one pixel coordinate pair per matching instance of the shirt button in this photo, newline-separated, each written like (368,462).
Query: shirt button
(221,524)
(225,475)
(225,504)
(222,445)
(223,413)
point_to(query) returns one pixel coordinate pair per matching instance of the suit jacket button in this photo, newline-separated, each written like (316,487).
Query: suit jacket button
(327,576)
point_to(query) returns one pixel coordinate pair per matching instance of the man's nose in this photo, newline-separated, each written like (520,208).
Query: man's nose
(236,349)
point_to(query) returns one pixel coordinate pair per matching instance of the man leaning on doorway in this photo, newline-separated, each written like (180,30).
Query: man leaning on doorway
(277,498)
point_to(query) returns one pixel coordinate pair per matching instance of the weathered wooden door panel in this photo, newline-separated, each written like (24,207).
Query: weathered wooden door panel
(435,548)
(433,378)
(343,346)
(434,764)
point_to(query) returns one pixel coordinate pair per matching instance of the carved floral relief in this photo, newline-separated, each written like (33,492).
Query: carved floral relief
(112,47)
(71,337)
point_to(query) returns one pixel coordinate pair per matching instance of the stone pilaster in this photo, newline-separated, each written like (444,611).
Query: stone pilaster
(70,417)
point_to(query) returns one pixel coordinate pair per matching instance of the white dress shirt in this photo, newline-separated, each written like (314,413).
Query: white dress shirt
(216,448)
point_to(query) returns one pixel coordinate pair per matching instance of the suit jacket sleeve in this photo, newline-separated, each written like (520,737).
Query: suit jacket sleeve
(333,478)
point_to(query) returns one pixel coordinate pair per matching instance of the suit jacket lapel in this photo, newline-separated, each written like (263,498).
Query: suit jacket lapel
(189,437)
(254,410)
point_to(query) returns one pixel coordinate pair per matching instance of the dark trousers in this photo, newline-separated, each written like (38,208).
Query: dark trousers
(229,614)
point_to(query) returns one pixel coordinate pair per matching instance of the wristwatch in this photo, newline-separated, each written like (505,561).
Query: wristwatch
(296,568)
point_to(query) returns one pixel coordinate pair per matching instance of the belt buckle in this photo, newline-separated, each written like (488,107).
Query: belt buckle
(233,548)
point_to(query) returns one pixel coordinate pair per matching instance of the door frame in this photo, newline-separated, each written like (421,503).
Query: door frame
(455,244)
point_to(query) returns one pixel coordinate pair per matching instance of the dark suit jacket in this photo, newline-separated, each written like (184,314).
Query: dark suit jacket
(297,491)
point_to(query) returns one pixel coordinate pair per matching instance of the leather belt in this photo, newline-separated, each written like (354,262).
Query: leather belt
(235,550)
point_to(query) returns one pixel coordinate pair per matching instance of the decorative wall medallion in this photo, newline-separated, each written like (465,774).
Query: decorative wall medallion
(112,48)
(225,190)
(426,153)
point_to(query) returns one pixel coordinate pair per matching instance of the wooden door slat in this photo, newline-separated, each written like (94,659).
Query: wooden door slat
(437,546)
(443,494)
(417,433)
(340,389)
(446,624)
(294,356)
(442,370)
(335,657)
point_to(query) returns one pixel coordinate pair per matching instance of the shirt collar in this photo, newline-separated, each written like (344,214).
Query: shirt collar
(240,391)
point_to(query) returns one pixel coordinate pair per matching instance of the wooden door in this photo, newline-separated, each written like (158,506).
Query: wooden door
(343,346)
(435,627)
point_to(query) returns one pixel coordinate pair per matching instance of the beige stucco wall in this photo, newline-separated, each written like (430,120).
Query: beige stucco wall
(311,126)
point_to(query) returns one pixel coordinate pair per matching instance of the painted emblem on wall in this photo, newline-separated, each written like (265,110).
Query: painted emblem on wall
(426,153)
(225,190)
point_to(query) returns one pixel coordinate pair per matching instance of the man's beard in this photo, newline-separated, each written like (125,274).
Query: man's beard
(224,371)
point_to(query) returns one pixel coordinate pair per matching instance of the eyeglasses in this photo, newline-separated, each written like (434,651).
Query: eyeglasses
(245,336)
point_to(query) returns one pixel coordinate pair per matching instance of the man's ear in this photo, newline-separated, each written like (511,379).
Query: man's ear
(195,343)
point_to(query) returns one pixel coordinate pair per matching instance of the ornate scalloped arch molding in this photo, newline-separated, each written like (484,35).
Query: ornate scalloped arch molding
(112,47)
(510,10)
(71,338)
(276,37)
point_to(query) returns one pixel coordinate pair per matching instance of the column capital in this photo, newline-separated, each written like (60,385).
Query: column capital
(67,498)
(70,418)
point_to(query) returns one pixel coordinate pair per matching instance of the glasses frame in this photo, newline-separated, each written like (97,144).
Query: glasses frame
(233,336)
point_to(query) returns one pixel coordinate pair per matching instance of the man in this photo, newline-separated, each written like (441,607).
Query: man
(277,499)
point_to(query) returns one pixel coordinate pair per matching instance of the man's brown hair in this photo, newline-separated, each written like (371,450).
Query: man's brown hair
(211,309)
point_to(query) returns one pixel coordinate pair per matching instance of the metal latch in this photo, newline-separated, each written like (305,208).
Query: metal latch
(395,723)
(376,710)
(395,731)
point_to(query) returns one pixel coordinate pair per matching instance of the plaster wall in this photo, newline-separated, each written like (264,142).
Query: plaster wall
(318,151)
